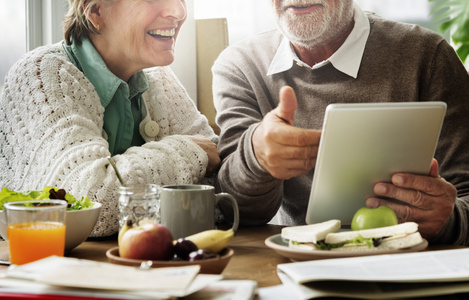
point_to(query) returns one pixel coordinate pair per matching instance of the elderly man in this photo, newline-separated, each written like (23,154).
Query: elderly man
(271,92)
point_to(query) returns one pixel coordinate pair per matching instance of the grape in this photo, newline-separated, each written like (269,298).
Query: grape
(176,258)
(201,254)
(183,248)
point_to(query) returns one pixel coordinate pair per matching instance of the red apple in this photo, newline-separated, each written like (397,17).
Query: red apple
(149,241)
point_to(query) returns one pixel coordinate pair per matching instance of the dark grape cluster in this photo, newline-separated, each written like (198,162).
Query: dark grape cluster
(201,254)
(187,250)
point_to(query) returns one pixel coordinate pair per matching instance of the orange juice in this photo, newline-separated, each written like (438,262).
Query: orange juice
(31,241)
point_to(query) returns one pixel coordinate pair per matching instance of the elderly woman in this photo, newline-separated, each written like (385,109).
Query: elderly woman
(105,91)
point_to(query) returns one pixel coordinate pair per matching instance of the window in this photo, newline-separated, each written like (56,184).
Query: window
(26,25)
(408,11)
(245,17)
(13,45)
(416,10)
(248,17)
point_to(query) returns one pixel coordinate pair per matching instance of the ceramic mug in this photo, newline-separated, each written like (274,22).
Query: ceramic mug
(190,208)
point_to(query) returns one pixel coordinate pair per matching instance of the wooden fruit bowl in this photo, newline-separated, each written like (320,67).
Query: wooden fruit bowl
(207,266)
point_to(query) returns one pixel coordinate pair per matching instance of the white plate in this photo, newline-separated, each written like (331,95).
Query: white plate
(280,246)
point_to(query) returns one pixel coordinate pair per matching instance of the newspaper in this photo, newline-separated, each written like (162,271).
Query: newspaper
(395,276)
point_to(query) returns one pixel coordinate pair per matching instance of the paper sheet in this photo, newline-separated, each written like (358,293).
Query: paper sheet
(72,272)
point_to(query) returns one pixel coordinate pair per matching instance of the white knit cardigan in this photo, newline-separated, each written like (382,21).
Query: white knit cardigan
(51,134)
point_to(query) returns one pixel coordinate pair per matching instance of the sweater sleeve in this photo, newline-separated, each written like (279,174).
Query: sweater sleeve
(259,195)
(449,82)
(51,131)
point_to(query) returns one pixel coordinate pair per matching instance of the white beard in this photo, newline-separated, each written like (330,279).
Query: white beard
(310,30)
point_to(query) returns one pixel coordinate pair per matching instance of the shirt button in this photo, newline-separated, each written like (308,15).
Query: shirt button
(152,129)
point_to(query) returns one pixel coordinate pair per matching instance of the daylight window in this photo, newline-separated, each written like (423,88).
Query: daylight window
(249,17)
(13,45)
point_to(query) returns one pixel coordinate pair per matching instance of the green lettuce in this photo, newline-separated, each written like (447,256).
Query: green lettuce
(7,195)
(359,240)
(370,242)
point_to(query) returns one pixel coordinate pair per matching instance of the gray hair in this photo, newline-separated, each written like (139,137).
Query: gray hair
(76,23)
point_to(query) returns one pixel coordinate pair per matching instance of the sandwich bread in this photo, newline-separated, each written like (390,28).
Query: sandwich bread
(324,236)
(310,233)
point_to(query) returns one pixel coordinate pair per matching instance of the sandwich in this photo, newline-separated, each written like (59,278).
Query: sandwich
(324,236)
(308,236)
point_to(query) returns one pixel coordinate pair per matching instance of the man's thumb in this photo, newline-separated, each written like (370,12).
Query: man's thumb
(287,105)
(434,168)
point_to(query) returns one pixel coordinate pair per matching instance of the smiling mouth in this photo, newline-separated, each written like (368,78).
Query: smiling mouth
(162,34)
(301,6)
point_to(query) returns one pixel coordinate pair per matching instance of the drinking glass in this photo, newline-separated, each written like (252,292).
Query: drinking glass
(35,229)
(139,203)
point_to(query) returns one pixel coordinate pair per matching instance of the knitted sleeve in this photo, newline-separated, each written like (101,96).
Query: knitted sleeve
(51,134)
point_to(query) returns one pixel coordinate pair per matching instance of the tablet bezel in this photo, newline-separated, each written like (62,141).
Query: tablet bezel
(364,143)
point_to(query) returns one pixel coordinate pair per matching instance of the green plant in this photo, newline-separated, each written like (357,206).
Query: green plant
(455,17)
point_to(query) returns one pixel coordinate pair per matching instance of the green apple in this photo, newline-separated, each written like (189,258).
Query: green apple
(367,218)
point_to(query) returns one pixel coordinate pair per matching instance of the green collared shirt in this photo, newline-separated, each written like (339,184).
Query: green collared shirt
(121,100)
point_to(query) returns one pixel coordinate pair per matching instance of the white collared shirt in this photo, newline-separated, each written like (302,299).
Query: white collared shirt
(346,59)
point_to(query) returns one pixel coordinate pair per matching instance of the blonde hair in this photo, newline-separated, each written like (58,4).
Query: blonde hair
(76,23)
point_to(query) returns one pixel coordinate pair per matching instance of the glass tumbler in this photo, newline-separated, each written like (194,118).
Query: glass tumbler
(139,203)
(36,229)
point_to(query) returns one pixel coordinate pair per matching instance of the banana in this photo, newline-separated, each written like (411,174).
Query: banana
(213,240)
(127,225)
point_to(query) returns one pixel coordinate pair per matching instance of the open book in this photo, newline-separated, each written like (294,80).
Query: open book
(419,274)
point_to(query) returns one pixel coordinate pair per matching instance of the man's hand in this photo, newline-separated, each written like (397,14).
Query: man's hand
(426,200)
(281,149)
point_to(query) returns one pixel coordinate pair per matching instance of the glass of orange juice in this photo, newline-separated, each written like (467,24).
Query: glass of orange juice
(35,229)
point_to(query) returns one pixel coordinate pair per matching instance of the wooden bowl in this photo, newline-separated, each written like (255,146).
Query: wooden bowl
(207,266)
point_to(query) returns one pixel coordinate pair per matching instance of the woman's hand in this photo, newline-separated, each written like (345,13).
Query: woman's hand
(212,152)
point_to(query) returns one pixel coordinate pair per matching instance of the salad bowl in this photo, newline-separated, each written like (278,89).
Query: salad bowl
(78,224)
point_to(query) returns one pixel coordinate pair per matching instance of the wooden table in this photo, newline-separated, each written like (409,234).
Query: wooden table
(251,260)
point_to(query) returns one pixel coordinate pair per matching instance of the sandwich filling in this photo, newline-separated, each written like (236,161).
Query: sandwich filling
(357,241)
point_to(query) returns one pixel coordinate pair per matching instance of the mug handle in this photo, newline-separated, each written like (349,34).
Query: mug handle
(235,208)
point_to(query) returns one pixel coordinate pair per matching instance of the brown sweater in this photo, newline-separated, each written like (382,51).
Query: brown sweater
(401,62)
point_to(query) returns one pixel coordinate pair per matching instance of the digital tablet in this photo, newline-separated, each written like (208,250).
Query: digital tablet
(365,143)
